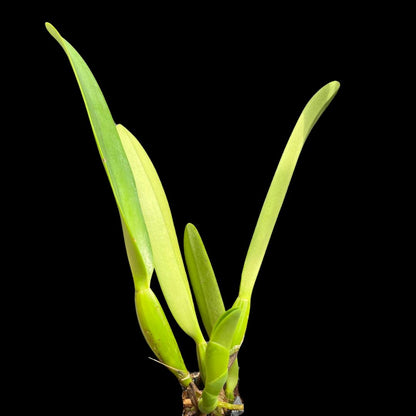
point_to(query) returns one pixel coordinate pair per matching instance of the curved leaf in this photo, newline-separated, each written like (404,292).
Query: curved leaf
(115,162)
(152,319)
(271,208)
(280,183)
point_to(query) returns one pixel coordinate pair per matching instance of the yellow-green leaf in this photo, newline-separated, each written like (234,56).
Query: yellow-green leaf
(271,208)
(280,183)
(167,257)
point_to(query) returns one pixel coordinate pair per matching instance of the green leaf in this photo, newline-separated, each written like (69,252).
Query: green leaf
(115,163)
(158,334)
(167,257)
(202,277)
(280,183)
(152,319)
(217,359)
(271,208)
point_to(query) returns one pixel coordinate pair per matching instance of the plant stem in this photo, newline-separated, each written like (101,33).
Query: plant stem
(230,406)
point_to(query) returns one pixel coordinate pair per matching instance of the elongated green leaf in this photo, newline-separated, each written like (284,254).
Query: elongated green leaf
(115,163)
(203,281)
(152,319)
(217,359)
(271,208)
(280,183)
(167,257)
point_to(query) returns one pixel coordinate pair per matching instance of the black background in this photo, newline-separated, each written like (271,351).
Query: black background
(212,93)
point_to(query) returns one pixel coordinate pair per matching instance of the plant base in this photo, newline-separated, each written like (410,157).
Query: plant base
(191,394)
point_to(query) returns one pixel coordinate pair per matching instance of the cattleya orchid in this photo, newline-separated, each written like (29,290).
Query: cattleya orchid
(152,246)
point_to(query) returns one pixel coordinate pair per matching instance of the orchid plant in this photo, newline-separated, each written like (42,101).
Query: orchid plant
(152,246)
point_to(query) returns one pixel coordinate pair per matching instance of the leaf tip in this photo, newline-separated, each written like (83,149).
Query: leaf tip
(334,86)
(51,29)
(54,33)
(189,227)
